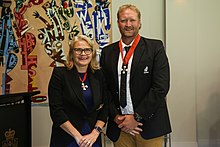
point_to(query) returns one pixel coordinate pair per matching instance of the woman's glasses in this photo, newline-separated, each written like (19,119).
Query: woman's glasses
(79,51)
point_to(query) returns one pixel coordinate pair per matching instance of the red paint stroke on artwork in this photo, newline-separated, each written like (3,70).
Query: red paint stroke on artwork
(7,84)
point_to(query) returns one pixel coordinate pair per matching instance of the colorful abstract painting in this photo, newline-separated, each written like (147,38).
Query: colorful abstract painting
(35,36)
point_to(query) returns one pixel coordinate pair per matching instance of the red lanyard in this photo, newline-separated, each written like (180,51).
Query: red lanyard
(84,78)
(131,50)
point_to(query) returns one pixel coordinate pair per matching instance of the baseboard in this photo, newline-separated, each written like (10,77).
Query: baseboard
(173,144)
(209,143)
(178,144)
(183,144)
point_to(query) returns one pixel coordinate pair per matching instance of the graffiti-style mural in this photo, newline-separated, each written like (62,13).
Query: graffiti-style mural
(35,35)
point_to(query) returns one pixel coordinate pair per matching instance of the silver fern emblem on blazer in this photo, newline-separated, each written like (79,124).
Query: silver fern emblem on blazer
(146,70)
(100,106)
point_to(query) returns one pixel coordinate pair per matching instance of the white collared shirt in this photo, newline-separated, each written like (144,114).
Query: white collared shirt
(129,108)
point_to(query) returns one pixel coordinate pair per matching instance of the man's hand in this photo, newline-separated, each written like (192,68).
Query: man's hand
(136,130)
(119,119)
(128,124)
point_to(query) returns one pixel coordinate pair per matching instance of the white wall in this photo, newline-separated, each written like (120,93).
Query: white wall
(192,32)
(208,72)
(41,126)
(181,50)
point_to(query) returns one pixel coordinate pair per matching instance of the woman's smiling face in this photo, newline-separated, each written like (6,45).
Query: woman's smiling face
(82,55)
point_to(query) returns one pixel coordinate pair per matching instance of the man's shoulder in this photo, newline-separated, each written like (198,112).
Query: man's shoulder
(151,40)
(112,45)
(110,48)
(152,43)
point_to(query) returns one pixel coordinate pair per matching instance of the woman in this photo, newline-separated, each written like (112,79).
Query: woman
(77,98)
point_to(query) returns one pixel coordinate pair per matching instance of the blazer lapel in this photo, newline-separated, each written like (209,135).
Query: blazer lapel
(138,53)
(94,83)
(76,85)
(115,57)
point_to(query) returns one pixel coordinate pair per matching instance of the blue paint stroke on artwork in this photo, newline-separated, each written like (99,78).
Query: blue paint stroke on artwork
(8,44)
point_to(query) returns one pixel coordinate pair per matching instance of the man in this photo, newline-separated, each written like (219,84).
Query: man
(141,77)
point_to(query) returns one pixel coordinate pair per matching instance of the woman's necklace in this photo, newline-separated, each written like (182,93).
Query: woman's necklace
(84,86)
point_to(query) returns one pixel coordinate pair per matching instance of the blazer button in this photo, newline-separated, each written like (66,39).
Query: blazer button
(151,116)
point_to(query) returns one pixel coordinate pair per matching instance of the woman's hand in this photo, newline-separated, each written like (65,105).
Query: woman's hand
(89,139)
(78,138)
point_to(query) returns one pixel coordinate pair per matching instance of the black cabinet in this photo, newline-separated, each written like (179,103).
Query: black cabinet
(15,119)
